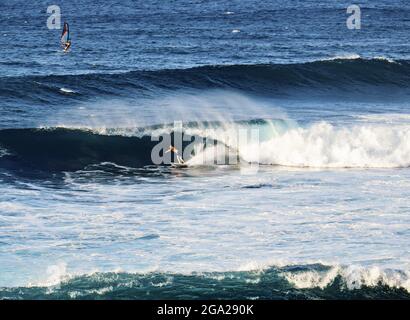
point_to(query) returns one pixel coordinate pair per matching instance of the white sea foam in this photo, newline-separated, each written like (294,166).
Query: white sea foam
(168,281)
(3,152)
(385,59)
(354,56)
(67,90)
(13,207)
(348,56)
(75,294)
(353,277)
(322,145)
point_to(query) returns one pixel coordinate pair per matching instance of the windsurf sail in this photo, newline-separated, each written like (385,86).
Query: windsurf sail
(65,36)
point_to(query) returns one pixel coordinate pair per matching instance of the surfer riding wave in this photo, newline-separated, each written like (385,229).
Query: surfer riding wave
(175,151)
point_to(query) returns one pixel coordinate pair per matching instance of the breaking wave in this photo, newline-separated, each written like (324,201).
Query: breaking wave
(267,142)
(315,281)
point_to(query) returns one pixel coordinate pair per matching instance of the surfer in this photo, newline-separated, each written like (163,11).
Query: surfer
(175,150)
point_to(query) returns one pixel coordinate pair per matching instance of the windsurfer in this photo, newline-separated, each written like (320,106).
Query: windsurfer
(67,45)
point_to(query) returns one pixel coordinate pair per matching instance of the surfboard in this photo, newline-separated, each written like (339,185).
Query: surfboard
(179,165)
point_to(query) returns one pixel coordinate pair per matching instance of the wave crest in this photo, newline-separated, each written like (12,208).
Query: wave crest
(352,277)
(324,77)
(315,281)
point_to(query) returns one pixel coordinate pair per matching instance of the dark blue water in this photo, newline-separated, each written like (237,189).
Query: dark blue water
(84,211)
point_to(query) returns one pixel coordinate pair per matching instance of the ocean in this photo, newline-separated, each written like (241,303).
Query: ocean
(315,206)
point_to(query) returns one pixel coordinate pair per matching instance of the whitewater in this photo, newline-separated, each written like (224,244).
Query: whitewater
(357,241)
(304,209)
